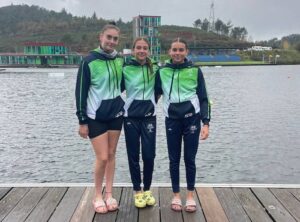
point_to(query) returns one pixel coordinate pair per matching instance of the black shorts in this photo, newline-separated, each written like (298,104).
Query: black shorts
(96,128)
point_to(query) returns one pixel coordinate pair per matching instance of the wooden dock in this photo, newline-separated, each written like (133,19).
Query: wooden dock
(214,204)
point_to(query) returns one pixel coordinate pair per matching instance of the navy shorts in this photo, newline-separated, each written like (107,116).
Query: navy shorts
(97,128)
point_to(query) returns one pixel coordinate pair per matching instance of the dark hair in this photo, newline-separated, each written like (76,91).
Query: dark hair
(181,41)
(148,61)
(110,25)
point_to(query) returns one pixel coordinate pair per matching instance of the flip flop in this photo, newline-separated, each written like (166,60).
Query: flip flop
(190,206)
(99,204)
(176,204)
(111,204)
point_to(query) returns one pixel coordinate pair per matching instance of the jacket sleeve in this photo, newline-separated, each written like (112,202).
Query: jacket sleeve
(81,91)
(157,88)
(203,99)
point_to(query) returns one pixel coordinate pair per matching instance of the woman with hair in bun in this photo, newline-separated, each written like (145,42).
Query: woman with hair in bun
(100,111)
(185,104)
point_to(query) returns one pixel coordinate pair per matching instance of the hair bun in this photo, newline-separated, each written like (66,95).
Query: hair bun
(112,23)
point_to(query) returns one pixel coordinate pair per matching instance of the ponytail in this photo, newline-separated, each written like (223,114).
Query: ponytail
(150,65)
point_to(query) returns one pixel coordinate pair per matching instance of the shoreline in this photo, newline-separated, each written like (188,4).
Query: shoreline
(201,64)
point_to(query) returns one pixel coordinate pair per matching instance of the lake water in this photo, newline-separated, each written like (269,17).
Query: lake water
(254,133)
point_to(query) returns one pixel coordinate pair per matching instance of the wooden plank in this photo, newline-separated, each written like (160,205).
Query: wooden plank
(26,205)
(288,201)
(11,200)
(212,208)
(272,205)
(231,205)
(4,191)
(47,205)
(68,204)
(251,205)
(197,216)
(84,210)
(111,216)
(151,214)
(295,192)
(166,213)
(127,211)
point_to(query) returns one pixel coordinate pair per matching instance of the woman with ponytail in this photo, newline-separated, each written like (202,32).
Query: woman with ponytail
(140,119)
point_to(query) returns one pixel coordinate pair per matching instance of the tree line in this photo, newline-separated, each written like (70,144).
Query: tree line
(21,23)
(222,28)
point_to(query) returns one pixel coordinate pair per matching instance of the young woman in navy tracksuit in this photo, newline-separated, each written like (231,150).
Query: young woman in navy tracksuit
(100,111)
(140,119)
(185,103)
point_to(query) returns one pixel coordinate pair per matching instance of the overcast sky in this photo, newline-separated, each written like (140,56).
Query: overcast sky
(264,19)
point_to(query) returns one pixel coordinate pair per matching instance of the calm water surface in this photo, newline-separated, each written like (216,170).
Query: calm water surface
(254,133)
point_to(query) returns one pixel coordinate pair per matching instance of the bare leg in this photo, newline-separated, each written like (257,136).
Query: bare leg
(113,137)
(100,145)
(190,195)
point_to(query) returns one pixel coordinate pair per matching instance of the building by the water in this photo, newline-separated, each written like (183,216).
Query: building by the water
(217,54)
(147,26)
(45,54)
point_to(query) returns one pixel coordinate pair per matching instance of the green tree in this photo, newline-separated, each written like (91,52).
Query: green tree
(197,23)
(94,16)
(205,25)
(218,26)
(239,33)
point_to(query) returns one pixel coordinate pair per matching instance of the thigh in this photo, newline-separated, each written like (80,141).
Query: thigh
(113,138)
(148,137)
(115,124)
(132,134)
(148,126)
(114,130)
(192,128)
(96,128)
(174,137)
(100,146)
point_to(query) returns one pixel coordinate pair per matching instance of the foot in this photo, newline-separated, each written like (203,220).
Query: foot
(176,204)
(148,197)
(100,206)
(139,200)
(190,206)
(111,204)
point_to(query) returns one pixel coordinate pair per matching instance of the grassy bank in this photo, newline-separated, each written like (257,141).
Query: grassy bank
(276,56)
(241,63)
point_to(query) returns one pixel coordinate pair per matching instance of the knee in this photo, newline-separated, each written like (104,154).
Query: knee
(189,159)
(102,161)
(174,164)
(190,163)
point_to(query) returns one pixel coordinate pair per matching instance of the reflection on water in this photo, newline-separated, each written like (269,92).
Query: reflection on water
(254,133)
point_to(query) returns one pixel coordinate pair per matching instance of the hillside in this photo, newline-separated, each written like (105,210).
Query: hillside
(21,23)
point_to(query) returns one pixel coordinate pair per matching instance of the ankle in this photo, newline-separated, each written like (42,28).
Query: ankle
(176,195)
(98,197)
(108,194)
(190,195)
